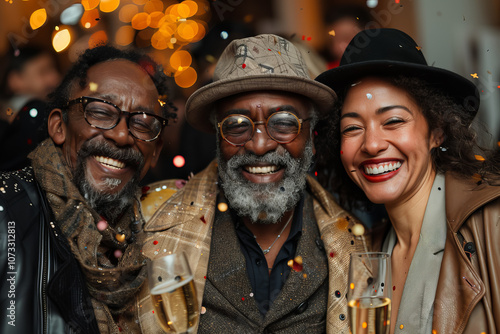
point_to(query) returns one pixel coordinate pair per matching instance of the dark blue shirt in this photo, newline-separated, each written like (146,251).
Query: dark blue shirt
(265,286)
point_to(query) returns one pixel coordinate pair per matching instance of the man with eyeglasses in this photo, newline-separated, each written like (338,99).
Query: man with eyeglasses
(268,246)
(71,222)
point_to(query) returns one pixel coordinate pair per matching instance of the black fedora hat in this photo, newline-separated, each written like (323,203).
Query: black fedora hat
(392,52)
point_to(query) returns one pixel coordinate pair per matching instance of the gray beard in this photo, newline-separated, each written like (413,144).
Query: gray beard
(109,205)
(264,203)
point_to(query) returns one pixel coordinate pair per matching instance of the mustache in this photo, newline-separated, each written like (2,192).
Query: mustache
(129,156)
(274,158)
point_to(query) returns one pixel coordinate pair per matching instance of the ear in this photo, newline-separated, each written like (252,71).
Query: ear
(57,127)
(437,138)
(156,153)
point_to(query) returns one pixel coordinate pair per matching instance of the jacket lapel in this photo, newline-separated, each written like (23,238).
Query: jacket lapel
(227,268)
(300,286)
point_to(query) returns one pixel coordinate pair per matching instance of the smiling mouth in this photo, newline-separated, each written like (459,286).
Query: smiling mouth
(261,169)
(378,169)
(109,162)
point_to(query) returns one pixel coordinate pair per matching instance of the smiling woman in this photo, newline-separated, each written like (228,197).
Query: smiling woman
(400,136)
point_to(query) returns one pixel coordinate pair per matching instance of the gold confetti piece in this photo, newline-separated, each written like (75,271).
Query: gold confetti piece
(9,112)
(358,230)
(418,48)
(342,223)
(478,157)
(93,86)
(401,326)
(474,75)
(476,177)
(331,32)
(488,72)
(498,143)
(351,286)
(434,331)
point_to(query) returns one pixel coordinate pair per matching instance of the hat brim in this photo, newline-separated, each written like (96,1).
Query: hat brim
(463,91)
(199,105)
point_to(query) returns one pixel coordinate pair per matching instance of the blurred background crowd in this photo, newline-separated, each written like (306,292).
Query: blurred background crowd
(39,40)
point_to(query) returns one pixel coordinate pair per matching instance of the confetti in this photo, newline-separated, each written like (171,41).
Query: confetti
(203,310)
(401,326)
(155,242)
(418,48)
(202,218)
(243,298)
(331,33)
(102,225)
(474,75)
(9,112)
(296,264)
(120,237)
(434,331)
(369,96)
(332,254)
(244,65)
(479,158)
(93,86)
(351,286)
(222,207)
(224,35)
(342,223)
(364,324)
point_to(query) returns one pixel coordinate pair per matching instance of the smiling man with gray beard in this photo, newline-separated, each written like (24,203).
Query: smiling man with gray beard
(269,247)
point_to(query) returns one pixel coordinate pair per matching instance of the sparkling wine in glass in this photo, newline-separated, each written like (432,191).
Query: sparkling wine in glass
(369,293)
(173,293)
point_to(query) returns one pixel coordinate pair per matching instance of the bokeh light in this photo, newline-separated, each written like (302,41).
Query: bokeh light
(156,18)
(153,6)
(179,161)
(38,18)
(141,21)
(193,7)
(72,14)
(61,40)
(140,2)
(90,18)
(107,6)
(187,30)
(127,12)
(98,38)
(125,35)
(90,4)
(180,60)
(160,42)
(186,78)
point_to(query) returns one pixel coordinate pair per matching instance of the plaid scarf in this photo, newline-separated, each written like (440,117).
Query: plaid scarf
(112,284)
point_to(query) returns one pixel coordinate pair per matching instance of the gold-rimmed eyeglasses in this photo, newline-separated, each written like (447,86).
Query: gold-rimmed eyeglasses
(281,126)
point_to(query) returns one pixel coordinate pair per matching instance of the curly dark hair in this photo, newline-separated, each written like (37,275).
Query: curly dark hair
(90,57)
(457,153)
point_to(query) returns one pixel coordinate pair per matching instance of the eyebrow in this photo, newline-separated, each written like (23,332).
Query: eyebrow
(379,111)
(113,97)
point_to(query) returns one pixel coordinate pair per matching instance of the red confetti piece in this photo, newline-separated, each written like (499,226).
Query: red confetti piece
(316,132)
(394,288)
(145,189)
(155,242)
(205,277)
(332,254)
(203,219)
(341,152)
(296,264)
(269,49)
(316,173)
(397,1)
(243,298)
(303,37)
(308,38)
(153,311)
(244,65)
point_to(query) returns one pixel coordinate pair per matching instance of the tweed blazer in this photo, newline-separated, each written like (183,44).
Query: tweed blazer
(183,223)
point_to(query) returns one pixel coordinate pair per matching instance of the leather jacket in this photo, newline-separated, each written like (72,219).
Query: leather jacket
(467,298)
(42,287)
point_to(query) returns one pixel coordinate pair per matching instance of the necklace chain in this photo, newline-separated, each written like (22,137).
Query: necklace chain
(265,251)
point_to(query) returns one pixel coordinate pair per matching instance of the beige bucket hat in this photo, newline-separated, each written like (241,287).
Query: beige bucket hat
(264,62)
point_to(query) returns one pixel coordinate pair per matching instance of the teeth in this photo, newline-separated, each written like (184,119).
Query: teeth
(262,170)
(382,168)
(110,162)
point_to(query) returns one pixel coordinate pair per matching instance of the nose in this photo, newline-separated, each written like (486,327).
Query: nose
(260,143)
(374,142)
(120,133)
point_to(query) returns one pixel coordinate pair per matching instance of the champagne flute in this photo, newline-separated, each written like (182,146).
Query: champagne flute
(369,293)
(173,293)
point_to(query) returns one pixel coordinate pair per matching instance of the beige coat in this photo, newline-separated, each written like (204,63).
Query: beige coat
(184,223)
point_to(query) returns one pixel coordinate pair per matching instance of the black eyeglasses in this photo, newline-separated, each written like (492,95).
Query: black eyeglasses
(105,115)
(282,126)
